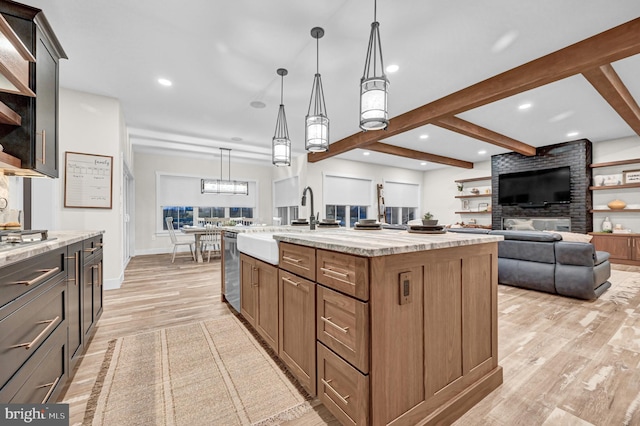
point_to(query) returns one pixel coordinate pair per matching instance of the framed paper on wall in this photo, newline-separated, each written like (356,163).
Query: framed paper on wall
(88,180)
(631,176)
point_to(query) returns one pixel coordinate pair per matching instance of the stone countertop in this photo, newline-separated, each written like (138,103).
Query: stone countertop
(56,239)
(270,228)
(371,243)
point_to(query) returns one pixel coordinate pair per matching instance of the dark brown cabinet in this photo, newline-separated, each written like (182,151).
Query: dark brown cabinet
(75,302)
(35,142)
(49,305)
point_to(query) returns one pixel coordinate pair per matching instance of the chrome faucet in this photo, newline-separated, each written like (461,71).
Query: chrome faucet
(312,218)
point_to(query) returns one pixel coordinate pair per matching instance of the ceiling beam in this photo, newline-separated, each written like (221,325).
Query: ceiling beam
(609,46)
(466,128)
(607,82)
(418,155)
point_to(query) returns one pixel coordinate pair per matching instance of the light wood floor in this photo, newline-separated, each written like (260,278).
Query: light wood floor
(566,362)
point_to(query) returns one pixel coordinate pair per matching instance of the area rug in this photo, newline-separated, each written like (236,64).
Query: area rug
(206,373)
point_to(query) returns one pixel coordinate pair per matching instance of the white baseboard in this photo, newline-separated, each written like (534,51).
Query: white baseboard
(113,283)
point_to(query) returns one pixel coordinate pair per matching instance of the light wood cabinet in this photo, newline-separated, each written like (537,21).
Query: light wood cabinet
(409,338)
(297,328)
(298,259)
(622,248)
(259,297)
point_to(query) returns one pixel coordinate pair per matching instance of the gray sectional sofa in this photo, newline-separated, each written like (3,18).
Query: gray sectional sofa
(543,261)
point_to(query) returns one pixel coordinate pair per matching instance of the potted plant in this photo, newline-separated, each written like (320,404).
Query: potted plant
(428,220)
(460,186)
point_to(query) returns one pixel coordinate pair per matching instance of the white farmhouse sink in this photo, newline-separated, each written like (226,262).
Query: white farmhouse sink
(260,245)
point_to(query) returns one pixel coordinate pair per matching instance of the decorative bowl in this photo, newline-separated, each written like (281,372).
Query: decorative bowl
(429,222)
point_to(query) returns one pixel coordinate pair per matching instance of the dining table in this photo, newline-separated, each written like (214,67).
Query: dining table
(197,232)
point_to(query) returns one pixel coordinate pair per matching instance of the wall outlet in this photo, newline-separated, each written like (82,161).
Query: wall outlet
(406,291)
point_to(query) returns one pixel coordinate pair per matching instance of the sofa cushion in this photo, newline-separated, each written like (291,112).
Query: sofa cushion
(580,254)
(532,251)
(601,256)
(574,236)
(524,274)
(527,235)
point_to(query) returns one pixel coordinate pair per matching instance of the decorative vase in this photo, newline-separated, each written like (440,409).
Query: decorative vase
(606,224)
(617,205)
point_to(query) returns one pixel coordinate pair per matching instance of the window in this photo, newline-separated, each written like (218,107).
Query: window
(399,215)
(402,201)
(347,199)
(179,196)
(346,214)
(287,214)
(181,216)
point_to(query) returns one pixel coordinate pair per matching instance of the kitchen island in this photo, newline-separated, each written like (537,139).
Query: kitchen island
(384,326)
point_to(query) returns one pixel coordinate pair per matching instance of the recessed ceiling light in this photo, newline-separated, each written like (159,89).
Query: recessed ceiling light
(258,104)
(424,163)
(504,41)
(561,116)
(524,106)
(425,136)
(392,68)
(366,153)
(482,152)
(572,134)
(165,82)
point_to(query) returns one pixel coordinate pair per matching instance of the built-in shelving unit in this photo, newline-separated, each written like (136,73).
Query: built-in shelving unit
(623,247)
(474,210)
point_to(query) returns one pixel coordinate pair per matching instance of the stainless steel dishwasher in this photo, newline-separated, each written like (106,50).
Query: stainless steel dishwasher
(232,269)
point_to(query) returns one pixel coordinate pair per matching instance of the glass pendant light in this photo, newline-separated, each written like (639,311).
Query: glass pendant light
(281,145)
(374,85)
(222,186)
(316,130)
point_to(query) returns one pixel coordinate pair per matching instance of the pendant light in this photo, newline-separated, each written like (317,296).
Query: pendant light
(316,130)
(220,186)
(374,85)
(281,145)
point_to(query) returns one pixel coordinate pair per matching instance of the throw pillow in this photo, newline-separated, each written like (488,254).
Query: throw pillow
(519,225)
(573,237)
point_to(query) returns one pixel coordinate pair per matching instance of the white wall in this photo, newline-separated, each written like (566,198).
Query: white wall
(147,239)
(89,124)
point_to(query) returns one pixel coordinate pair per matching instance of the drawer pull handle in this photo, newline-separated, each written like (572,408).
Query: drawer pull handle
(53,386)
(291,259)
(287,280)
(47,273)
(296,284)
(91,250)
(342,398)
(333,324)
(32,343)
(333,271)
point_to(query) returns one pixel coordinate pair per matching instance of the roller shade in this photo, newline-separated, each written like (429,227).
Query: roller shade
(175,190)
(287,192)
(347,191)
(399,194)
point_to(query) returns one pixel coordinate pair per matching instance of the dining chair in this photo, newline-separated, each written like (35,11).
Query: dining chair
(210,241)
(176,242)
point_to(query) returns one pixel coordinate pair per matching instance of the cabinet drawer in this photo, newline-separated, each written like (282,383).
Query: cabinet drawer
(41,379)
(23,331)
(344,272)
(24,276)
(342,388)
(300,260)
(92,246)
(343,326)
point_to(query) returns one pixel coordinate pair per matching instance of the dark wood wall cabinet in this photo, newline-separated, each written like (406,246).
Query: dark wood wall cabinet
(44,311)
(35,140)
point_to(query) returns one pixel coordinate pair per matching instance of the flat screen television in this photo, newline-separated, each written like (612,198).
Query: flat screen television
(535,188)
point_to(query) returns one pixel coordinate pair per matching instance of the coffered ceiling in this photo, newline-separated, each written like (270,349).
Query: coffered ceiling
(464,69)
